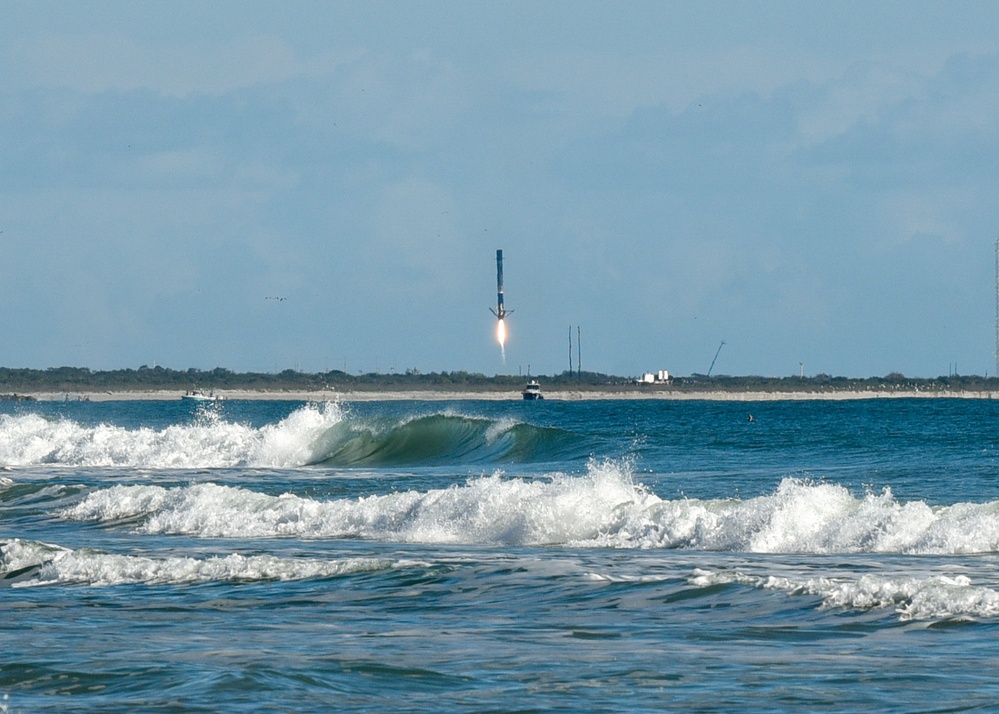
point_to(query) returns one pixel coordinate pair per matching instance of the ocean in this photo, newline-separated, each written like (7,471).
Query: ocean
(490,556)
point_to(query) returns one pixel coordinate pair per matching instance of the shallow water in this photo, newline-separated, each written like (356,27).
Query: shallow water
(499,556)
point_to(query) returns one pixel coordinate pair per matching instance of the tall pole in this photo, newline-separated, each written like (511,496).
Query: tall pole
(997,309)
(579,353)
(570,350)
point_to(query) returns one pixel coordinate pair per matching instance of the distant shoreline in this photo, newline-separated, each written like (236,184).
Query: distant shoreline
(510,395)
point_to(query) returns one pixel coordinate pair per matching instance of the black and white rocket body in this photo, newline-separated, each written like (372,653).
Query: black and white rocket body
(500,312)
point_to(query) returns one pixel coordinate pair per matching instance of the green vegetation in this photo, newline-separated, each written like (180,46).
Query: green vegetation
(893,382)
(78,379)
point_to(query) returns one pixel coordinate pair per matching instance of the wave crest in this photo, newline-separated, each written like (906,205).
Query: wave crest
(313,434)
(603,508)
(208,442)
(30,563)
(912,598)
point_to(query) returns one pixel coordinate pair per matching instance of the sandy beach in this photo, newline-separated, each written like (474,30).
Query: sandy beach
(554,395)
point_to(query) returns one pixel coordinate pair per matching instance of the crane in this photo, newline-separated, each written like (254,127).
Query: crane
(716,357)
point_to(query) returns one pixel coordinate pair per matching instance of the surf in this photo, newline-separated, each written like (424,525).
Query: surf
(324,434)
(934,597)
(603,508)
(32,563)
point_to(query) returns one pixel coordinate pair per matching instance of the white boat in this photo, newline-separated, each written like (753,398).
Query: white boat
(198,396)
(532,391)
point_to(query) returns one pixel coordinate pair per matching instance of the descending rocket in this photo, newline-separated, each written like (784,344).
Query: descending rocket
(500,312)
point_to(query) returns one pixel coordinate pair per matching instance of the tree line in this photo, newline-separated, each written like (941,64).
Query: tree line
(76,379)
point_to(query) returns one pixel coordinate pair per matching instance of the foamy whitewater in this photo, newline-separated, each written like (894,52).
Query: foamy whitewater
(502,556)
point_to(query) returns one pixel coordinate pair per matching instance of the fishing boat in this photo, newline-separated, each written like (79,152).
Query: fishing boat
(197,395)
(532,391)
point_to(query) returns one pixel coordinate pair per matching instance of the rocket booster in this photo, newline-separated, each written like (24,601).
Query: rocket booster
(500,312)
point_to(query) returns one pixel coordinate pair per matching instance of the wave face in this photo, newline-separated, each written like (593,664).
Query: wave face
(603,508)
(445,438)
(313,434)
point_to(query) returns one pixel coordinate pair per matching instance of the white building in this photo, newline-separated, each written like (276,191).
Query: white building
(660,377)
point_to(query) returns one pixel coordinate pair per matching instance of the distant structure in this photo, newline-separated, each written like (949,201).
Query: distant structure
(997,309)
(570,350)
(660,377)
(716,357)
(579,352)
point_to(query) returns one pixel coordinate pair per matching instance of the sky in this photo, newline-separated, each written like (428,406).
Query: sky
(323,185)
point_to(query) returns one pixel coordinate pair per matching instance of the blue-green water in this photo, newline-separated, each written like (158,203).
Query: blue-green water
(499,556)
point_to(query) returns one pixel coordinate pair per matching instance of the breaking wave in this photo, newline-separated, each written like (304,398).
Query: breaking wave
(603,508)
(31,563)
(913,598)
(313,434)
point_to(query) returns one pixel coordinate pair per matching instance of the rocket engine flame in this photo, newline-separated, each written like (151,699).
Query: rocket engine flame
(501,336)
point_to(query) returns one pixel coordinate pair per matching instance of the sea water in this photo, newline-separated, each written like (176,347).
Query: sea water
(499,556)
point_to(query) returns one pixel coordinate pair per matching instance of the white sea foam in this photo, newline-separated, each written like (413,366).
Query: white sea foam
(484,510)
(209,442)
(617,578)
(806,517)
(27,563)
(913,598)
(603,508)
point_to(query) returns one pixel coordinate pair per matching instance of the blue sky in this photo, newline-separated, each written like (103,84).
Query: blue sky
(813,183)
